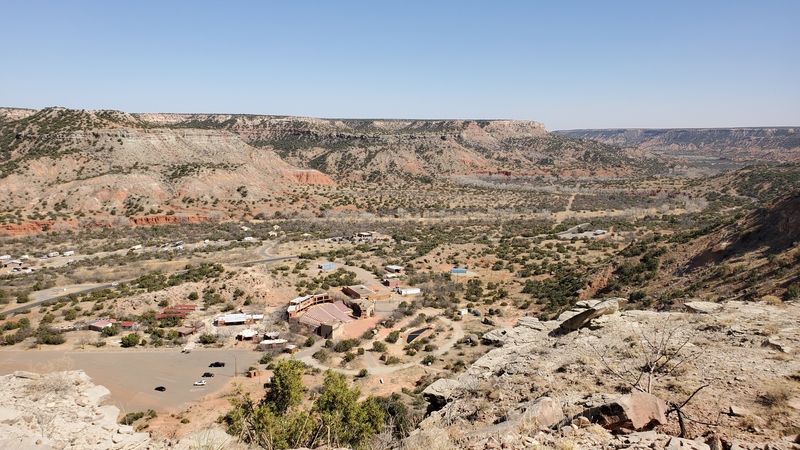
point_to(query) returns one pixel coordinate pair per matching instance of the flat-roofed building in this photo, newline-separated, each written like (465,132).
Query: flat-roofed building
(331,330)
(300,304)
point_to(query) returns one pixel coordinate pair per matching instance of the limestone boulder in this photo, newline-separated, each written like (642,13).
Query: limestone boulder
(637,411)
(544,411)
(441,391)
(676,443)
(581,319)
(586,304)
(97,394)
(703,307)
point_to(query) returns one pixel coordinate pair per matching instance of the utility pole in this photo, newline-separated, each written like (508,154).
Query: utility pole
(234,366)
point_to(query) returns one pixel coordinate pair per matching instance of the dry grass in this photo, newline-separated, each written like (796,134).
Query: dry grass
(429,441)
(772,300)
(750,421)
(776,396)
(770,329)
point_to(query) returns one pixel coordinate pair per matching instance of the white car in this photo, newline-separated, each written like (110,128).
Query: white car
(200,383)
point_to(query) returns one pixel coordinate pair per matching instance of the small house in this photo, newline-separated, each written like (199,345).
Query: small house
(408,291)
(394,269)
(99,324)
(185,331)
(392,283)
(246,335)
(267,344)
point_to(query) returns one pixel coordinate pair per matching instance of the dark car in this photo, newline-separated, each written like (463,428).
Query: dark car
(161,388)
(217,364)
(208,375)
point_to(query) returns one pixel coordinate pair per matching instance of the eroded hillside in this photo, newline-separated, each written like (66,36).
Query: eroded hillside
(742,144)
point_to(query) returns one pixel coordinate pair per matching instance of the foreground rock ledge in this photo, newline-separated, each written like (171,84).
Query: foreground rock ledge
(66,411)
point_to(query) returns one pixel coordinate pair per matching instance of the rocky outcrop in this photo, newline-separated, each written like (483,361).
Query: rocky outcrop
(307,177)
(582,318)
(168,220)
(703,307)
(637,411)
(32,227)
(62,410)
(440,391)
(531,361)
(66,411)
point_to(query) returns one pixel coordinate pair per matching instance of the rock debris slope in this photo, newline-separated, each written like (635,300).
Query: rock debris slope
(593,378)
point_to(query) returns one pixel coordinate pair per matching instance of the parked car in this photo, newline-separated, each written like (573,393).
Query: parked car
(200,383)
(208,375)
(217,364)
(161,388)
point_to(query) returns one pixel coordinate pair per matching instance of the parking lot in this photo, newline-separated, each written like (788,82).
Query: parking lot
(132,375)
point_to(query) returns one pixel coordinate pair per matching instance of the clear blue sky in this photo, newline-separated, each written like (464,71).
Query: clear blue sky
(568,64)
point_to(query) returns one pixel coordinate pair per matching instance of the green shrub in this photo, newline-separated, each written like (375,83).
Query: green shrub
(207,338)
(392,337)
(130,340)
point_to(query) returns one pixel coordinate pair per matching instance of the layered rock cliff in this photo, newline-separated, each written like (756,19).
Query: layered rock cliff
(742,144)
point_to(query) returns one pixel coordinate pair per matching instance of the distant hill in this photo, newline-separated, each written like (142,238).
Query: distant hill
(780,144)
(62,164)
(423,150)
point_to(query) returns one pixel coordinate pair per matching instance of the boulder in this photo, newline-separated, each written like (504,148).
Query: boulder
(778,344)
(677,443)
(738,411)
(703,307)
(578,321)
(95,395)
(568,314)
(586,304)
(544,411)
(440,391)
(638,411)
(531,322)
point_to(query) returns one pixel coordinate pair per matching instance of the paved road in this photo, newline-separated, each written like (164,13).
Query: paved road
(266,257)
(56,293)
(132,374)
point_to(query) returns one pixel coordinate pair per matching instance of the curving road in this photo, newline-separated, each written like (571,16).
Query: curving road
(374,368)
(56,293)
